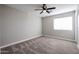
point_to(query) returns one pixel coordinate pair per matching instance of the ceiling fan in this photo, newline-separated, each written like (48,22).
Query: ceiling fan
(44,8)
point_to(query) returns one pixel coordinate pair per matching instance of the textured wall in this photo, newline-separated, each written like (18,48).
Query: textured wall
(18,25)
(48,29)
(1,25)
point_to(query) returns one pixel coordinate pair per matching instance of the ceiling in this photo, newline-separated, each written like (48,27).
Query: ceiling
(60,8)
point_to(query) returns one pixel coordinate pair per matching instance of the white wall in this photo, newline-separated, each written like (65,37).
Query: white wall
(18,25)
(48,29)
(0,25)
(0,31)
(78,26)
(78,31)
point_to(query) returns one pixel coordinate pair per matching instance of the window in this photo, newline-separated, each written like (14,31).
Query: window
(64,23)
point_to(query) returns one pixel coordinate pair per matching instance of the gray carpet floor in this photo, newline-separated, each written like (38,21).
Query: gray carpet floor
(42,45)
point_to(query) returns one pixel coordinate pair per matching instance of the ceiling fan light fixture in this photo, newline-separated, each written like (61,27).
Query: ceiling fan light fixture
(46,9)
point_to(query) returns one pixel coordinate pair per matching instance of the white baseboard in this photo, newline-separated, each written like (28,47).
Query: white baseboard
(20,41)
(56,37)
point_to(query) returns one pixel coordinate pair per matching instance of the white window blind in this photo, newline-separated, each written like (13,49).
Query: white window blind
(64,23)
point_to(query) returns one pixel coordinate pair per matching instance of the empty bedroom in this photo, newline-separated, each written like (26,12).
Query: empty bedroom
(39,29)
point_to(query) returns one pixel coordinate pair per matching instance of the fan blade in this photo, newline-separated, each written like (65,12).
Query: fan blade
(51,8)
(41,12)
(47,11)
(38,9)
